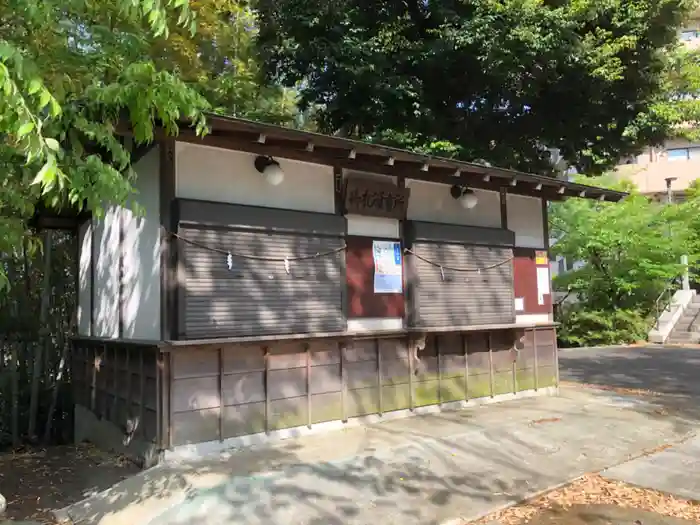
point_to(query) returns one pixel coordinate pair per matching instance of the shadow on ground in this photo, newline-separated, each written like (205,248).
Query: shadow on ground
(670,375)
(420,470)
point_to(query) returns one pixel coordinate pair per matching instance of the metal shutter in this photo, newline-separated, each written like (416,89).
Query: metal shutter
(258,297)
(444,297)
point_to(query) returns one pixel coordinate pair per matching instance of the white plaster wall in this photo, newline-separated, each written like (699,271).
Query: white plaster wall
(140,298)
(84,292)
(534,318)
(525,219)
(433,203)
(141,254)
(364,226)
(105,254)
(221,175)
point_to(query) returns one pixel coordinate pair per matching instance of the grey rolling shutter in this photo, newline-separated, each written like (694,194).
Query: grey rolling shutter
(440,297)
(257,296)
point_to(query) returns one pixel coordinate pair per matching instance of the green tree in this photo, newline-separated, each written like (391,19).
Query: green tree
(676,112)
(629,250)
(72,70)
(485,79)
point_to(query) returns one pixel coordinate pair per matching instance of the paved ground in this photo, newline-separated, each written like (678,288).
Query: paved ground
(673,371)
(420,470)
(675,471)
(673,374)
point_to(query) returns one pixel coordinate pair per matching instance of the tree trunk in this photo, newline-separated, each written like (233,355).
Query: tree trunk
(14,359)
(44,334)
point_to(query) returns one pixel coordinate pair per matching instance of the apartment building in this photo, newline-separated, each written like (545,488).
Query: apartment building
(677,162)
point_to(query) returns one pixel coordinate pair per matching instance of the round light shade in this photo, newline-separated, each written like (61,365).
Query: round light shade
(273,174)
(468,200)
(270,169)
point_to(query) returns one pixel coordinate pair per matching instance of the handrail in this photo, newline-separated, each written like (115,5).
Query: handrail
(695,318)
(660,306)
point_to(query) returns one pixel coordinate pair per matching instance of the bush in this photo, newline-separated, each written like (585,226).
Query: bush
(584,327)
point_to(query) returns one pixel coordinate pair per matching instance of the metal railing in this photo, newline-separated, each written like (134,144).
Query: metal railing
(694,321)
(664,300)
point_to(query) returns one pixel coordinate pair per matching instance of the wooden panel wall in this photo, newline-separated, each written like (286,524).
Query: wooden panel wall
(117,381)
(235,390)
(362,301)
(525,282)
(441,296)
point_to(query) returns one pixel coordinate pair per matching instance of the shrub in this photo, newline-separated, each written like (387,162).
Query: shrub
(582,327)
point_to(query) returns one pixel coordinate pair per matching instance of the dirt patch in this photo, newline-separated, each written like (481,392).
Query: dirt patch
(579,504)
(36,482)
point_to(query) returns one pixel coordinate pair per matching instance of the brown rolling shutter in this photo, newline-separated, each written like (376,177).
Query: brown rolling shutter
(258,296)
(440,296)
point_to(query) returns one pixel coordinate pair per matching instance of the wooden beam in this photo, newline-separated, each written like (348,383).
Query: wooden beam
(504,208)
(168,277)
(368,163)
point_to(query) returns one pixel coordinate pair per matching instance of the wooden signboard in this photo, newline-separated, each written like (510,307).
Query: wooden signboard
(375,198)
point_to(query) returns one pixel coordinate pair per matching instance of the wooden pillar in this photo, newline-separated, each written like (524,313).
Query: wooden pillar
(504,208)
(534,350)
(556,356)
(115,382)
(142,395)
(411,372)
(129,393)
(169,386)
(439,368)
(343,382)
(160,366)
(490,363)
(220,355)
(379,376)
(466,366)
(307,348)
(266,351)
(93,379)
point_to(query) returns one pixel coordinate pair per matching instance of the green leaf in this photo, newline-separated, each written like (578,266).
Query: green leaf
(25,129)
(47,173)
(35,86)
(52,144)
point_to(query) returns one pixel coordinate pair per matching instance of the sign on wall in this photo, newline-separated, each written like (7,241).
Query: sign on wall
(388,276)
(375,198)
(541,258)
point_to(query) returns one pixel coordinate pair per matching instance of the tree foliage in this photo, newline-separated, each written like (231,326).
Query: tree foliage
(72,70)
(485,79)
(676,112)
(630,251)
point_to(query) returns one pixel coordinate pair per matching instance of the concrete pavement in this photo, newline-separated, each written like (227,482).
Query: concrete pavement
(666,370)
(675,471)
(425,469)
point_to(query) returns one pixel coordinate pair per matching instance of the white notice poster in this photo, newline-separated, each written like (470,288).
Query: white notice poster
(388,277)
(519,304)
(542,284)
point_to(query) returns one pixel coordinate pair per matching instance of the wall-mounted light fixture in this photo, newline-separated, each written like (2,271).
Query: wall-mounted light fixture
(466,197)
(270,170)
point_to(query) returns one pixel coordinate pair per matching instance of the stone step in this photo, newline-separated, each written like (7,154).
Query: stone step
(684,333)
(685,323)
(687,337)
